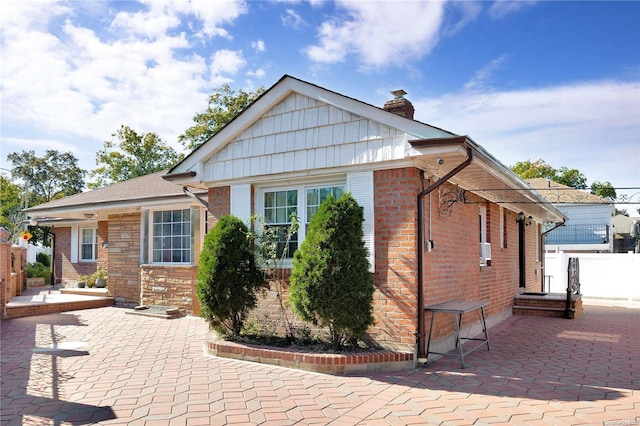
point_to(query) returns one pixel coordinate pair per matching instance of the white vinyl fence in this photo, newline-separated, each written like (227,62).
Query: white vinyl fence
(32,252)
(602,275)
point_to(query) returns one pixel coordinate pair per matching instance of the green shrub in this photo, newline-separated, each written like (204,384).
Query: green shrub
(330,282)
(35,270)
(44,258)
(228,278)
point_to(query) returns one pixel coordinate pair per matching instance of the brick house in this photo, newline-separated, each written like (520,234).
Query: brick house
(444,219)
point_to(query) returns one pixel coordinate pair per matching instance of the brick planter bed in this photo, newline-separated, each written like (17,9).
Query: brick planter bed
(330,363)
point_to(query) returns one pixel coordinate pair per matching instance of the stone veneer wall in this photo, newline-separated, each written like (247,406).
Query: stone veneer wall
(172,285)
(124,258)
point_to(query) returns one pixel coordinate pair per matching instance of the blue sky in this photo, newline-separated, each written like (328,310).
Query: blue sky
(556,80)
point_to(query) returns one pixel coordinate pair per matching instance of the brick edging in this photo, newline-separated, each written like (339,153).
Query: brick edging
(330,363)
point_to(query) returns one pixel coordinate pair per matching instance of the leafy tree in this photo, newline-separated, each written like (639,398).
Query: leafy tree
(131,155)
(330,281)
(10,201)
(49,177)
(540,169)
(228,277)
(224,105)
(604,190)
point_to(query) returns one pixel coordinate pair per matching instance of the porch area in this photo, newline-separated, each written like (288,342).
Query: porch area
(55,299)
(548,305)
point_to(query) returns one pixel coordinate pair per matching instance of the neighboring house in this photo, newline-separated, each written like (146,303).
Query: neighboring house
(589,226)
(626,234)
(438,222)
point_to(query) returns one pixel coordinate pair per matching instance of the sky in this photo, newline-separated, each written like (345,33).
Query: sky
(527,80)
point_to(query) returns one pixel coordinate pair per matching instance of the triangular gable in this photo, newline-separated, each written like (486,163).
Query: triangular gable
(365,134)
(301,133)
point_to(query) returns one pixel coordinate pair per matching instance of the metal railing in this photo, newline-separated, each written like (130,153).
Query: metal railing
(578,234)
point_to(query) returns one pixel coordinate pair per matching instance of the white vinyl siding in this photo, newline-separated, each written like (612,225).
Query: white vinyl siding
(300,134)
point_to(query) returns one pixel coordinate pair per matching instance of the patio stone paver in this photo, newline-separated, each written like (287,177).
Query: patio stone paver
(101,366)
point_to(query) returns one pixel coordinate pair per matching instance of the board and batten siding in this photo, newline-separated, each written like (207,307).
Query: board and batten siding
(301,133)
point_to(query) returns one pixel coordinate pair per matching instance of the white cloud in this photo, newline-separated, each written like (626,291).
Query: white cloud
(162,15)
(481,78)
(226,62)
(379,33)
(259,73)
(592,126)
(502,8)
(469,11)
(293,20)
(60,77)
(258,45)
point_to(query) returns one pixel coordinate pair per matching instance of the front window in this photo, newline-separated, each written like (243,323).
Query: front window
(171,236)
(317,196)
(88,244)
(279,205)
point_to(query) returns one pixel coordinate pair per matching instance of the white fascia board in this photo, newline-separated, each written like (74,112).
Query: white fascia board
(104,209)
(317,173)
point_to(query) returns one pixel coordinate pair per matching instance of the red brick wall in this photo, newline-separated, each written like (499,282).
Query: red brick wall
(67,273)
(5,268)
(124,257)
(103,237)
(451,270)
(395,299)
(219,204)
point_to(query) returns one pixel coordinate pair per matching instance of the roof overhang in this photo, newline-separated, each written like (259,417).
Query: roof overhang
(99,210)
(485,176)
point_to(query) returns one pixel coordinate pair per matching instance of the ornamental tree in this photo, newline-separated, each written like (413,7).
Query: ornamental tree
(330,281)
(228,279)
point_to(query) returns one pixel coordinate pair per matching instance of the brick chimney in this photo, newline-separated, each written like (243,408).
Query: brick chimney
(399,105)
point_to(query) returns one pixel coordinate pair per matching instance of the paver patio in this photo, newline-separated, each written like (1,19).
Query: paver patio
(102,366)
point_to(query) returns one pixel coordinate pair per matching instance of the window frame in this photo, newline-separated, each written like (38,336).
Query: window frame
(93,244)
(301,189)
(196,218)
(484,235)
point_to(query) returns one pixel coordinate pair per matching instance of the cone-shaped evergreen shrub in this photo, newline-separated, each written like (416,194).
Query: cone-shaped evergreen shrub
(228,278)
(330,282)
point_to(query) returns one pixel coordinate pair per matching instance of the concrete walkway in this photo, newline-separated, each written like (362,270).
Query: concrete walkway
(102,366)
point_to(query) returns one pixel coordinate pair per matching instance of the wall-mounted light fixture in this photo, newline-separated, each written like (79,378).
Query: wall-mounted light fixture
(105,244)
(524,219)
(33,221)
(89,215)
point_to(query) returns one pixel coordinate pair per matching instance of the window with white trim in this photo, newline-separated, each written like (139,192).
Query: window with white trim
(303,201)
(169,236)
(485,247)
(279,207)
(88,244)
